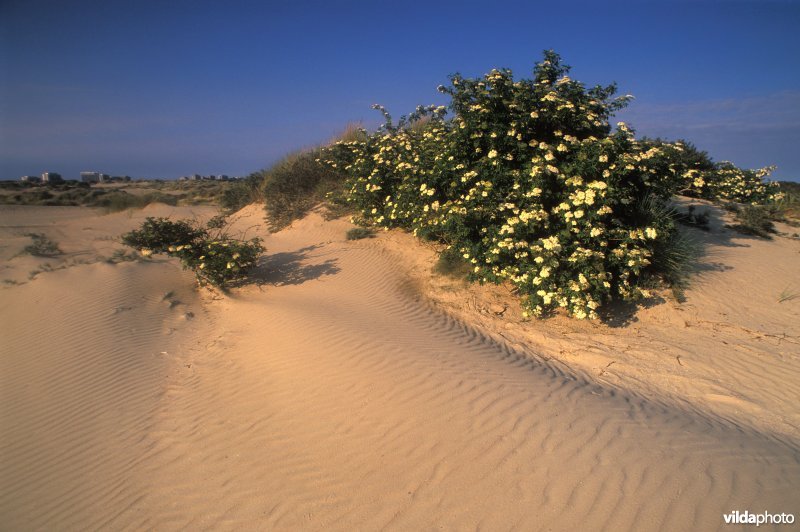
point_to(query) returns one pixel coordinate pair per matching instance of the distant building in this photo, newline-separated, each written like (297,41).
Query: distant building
(30,178)
(95,177)
(52,178)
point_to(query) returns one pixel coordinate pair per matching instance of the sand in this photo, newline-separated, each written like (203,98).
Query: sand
(348,388)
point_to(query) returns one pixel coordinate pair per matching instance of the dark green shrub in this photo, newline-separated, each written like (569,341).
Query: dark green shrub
(159,234)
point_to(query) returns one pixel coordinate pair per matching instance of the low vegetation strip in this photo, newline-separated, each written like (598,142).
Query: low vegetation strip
(116,197)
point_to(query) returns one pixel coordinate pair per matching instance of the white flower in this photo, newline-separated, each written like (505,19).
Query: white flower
(492,154)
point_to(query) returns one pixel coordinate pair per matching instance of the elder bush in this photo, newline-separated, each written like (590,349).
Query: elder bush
(214,257)
(528,182)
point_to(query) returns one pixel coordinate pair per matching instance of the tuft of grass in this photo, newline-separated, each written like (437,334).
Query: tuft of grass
(352,132)
(358,233)
(296,184)
(242,193)
(452,264)
(673,257)
(42,246)
(754,220)
(787,295)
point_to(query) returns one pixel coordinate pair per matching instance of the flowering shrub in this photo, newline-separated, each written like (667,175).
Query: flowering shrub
(704,178)
(727,182)
(215,258)
(528,183)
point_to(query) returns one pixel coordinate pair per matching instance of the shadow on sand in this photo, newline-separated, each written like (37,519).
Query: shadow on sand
(288,268)
(717,234)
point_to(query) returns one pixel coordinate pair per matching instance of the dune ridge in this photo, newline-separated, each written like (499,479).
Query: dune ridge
(330,394)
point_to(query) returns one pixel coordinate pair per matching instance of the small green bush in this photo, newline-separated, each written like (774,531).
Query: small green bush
(358,233)
(240,194)
(214,257)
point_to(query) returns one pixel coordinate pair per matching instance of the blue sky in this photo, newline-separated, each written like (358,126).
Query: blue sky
(163,89)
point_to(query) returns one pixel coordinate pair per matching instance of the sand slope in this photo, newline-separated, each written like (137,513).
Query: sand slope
(731,350)
(330,395)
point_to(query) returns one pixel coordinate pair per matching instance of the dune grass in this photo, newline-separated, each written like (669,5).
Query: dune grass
(42,246)
(117,196)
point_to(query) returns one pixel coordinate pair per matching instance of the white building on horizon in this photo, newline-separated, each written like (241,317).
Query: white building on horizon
(94,177)
(52,177)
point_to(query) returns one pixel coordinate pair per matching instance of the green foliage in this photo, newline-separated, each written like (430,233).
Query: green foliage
(214,257)
(241,193)
(528,183)
(723,181)
(119,200)
(754,220)
(728,183)
(672,255)
(116,196)
(42,246)
(452,264)
(294,185)
(158,234)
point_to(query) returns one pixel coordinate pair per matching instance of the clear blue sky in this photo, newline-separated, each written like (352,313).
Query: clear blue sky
(162,89)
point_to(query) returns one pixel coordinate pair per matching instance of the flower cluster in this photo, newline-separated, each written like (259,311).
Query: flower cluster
(528,182)
(216,259)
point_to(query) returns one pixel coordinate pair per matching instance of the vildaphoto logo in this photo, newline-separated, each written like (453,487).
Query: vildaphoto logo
(764,518)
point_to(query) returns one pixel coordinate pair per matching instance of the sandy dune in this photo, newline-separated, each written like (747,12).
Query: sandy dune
(330,394)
